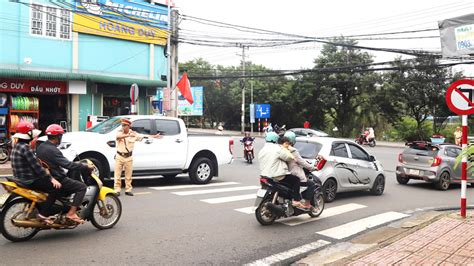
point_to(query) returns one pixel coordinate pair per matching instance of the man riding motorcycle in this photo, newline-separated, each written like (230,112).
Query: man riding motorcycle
(50,154)
(28,172)
(246,138)
(273,163)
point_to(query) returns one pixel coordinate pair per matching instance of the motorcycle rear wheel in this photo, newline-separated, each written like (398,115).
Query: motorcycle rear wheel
(16,209)
(318,205)
(4,155)
(263,214)
(103,221)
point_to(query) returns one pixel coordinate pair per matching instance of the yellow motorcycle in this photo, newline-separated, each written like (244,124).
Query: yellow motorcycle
(18,209)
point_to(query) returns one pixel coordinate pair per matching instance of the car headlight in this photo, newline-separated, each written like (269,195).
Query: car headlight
(64,145)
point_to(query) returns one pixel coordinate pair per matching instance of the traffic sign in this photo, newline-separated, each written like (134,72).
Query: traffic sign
(134,93)
(262,110)
(460,97)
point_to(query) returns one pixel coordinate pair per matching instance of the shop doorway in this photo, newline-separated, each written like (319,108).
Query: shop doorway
(53,110)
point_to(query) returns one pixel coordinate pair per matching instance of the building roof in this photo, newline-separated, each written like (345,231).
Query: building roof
(45,75)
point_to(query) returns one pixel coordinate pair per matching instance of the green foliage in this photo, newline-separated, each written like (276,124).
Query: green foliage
(407,130)
(469,152)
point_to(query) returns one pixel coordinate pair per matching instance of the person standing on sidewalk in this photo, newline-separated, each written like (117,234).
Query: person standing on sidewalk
(458,136)
(125,140)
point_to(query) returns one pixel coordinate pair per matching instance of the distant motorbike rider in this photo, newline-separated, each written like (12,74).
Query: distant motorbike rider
(50,154)
(296,167)
(273,160)
(28,172)
(246,138)
(371,135)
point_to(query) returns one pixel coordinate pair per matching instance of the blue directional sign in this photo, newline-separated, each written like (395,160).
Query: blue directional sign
(262,110)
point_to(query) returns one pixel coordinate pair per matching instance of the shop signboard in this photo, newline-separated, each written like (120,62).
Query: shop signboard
(195,109)
(122,19)
(33,86)
(457,36)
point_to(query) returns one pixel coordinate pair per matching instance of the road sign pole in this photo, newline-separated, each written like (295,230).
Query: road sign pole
(464,166)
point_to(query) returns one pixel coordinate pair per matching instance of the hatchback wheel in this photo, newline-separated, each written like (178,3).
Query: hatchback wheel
(330,189)
(378,186)
(402,180)
(444,181)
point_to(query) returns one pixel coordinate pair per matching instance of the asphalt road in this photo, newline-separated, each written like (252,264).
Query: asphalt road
(165,227)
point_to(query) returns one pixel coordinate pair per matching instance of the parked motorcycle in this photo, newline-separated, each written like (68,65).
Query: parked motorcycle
(248,151)
(5,151)
(19,209)
(274,201)
(361,140)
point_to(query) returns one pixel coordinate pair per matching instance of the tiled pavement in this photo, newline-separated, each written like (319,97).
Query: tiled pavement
(448,241)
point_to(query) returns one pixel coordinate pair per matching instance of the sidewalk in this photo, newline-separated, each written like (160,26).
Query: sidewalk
(431,238)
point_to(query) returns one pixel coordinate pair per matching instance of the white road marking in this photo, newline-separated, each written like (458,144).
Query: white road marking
(352,228)
(219,190)
(194,186)
(326,213)
(290,253)
(230,199)
(247,210)
(141,193)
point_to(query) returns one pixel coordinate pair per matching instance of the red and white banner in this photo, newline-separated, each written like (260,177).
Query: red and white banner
(33,86)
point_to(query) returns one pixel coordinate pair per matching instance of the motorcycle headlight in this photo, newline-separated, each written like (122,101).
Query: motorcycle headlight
(64,145)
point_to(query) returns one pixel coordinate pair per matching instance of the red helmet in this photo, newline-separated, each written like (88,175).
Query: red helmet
(54,130)
(24,127)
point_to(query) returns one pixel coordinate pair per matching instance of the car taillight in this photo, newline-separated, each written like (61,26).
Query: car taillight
(400,158)
(437,161)
(321,163)
(231,144)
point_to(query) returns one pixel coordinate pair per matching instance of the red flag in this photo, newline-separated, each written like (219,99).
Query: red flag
(185,88)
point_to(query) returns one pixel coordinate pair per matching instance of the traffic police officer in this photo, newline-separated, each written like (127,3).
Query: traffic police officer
(125,141)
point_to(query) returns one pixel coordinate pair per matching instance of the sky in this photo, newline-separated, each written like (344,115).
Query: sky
(315,18)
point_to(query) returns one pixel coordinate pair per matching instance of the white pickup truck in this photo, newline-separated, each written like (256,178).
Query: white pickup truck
(174,153)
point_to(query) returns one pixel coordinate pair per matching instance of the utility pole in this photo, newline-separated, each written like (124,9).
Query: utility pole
(173,62)
(242,83)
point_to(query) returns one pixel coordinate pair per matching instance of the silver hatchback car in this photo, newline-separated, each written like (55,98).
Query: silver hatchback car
(345,166)
(429,162)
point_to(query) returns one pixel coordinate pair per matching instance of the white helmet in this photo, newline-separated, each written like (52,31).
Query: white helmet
(220,128)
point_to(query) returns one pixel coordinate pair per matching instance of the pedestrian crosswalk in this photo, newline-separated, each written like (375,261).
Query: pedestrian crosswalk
(248,195)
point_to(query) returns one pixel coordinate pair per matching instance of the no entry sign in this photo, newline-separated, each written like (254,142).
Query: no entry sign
(460,97)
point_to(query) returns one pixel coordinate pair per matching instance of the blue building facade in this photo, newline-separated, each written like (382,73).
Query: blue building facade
(79,58)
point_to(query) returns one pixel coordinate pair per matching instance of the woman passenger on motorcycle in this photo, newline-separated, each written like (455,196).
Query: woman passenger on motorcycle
(28,172)
(296,167)
(50,154)
(273,160)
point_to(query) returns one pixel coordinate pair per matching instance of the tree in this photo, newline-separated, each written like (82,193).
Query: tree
(342,82)
(417,90)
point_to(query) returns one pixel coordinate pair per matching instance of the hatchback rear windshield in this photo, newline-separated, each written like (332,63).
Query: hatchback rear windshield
(422,151)
(308,150)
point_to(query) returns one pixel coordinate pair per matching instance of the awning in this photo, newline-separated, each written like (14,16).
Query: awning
(44,75)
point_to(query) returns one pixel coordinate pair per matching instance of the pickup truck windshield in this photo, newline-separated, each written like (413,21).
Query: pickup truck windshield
(106,126)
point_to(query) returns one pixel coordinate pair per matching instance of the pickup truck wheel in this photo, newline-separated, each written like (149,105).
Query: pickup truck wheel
(99,168)
(201,171)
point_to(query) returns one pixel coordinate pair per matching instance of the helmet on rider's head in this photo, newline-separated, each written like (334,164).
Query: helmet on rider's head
(291,136)
(26,130)
(247,134)
(54,130)
(271,137)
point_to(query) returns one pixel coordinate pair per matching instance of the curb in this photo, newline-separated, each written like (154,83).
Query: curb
(349,250)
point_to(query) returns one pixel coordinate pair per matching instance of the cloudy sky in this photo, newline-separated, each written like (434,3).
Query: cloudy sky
(317,19)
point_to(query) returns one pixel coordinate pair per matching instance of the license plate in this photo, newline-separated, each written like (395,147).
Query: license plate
(3,198)
(261,193)
(413,172)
